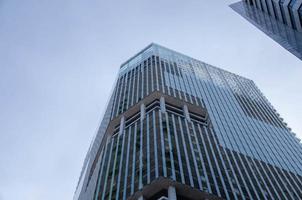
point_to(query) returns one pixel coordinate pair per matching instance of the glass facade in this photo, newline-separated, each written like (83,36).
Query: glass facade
(175,121)
(285,11)
(279,19)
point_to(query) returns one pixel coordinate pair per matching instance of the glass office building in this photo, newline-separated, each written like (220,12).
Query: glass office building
(178,128)
(281,20)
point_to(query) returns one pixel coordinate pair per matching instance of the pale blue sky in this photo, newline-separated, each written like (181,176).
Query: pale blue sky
(59,59)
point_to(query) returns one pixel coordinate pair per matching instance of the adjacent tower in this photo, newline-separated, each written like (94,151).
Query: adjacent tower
(178,128)
(279,19)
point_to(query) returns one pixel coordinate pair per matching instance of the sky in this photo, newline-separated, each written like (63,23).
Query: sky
(59,60)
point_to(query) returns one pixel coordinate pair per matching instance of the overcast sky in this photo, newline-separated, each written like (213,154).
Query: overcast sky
(59,59)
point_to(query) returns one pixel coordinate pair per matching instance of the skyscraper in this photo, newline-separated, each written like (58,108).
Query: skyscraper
(178,128)
(279,19)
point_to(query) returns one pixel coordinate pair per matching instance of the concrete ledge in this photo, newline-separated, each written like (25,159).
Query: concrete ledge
(163,183)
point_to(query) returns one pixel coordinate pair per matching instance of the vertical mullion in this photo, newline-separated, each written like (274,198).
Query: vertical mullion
(133,159)
(177,81)
(103,155)
(138,84)
(127,163)
(161,68)
(157,65)
(217,165)
(117,95)
(171,77)
(193,153)
(167,81)
(201,159)
(120,165)
(129,89)
(182,85)
(170,147)
(141,154)
(147,77)
(185,151)
(162,144)
(152,64)
(211,131)
(107,170)
(186,81)
(114,166)
(148,148)
(209,162)
(124,97)
(128,177)
(155,145)
(142,71)
(178,152)
(121,96)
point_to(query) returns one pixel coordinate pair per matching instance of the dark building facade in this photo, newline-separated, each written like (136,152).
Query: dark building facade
(178,128)
(281,20)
